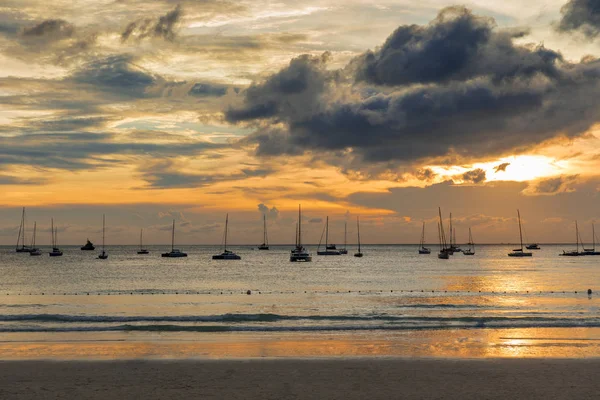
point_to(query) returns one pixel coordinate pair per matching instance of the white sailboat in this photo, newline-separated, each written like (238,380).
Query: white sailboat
(104,254)
(444,253)
(21,248)
(471,250)
(344,250)
(422,248)
(226,254)
(358,253)
(34,251)
(573,253)
(174,253)
(592,251)
(299,253)
(519,252)
(329,250)
(265,243)
(56,252)
(142,250)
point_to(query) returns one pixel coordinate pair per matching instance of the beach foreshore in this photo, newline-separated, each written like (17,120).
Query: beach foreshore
(333,378)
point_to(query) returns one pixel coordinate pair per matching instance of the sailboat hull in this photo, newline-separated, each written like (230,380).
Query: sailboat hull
(174,254)
(143,252)
(55,253)
(329,253)
(424,250)
(263,247)
(226,256)
(520,254)
(35,252)
(443,255)
(358,255)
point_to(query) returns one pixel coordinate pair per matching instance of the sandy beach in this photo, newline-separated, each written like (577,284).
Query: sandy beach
(339,378)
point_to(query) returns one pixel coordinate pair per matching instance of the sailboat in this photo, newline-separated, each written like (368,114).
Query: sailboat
(531,246)
(56,252)
(444,253)
(104,254)
(359,253)
(142,250)
(471,250)
(519,252)
(592,251)
(344,250)
(574,253)
(34,251)
(265,243)
(299,253)
(21,238)
(174,252)
(226,254)
(329,250)
(452,233)
(422,248)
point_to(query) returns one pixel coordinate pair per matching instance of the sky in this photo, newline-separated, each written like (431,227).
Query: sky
(154,111)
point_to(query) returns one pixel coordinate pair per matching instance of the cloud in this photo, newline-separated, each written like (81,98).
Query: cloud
(207,90)
(582,16)
(474,176)
(455,46)
(117,75)
(271,213)
(315,220)
(490,97)
(161,27)
(501,167)
(53,29)
(552,186)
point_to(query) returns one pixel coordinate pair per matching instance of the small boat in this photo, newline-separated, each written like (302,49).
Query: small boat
(573,253)
(226,254)
(104,254)
(299,253)
(444,253)
(533,246)
(592,251)
(265,243)
(422,248)
(21,238)
(34,251)
(344,250)
(471,250)
(358,253)
(88,246)
(519,252)
(330,250)
(56,252)
(174,253)
(142,250)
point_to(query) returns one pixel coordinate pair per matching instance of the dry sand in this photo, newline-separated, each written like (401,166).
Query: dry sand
(335,378)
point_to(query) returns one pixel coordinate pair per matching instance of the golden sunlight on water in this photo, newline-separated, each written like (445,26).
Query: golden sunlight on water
(459,343)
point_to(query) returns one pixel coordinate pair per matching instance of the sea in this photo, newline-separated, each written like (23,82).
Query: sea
(392,301)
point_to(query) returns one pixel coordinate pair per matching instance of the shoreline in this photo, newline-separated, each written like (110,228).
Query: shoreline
(339,378)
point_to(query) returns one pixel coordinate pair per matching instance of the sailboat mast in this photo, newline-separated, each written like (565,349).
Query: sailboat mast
(33,238)
(358,229)
(23,217)
(20,230)
(576,236)
(451,230)
(520,231)
(226,223)
(141,245)
(299,225)
(345,229)
(593,238)
(441,230)
(52,228)
(423,235)
(326,232)
(173,237)
(265,239)
(103,221)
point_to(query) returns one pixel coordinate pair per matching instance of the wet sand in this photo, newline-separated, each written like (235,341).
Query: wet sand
(333,378)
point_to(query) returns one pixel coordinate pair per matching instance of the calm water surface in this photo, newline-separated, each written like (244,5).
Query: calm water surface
(390,291)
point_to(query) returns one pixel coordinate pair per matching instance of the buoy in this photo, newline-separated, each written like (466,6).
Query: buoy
(589,291)
(249,292)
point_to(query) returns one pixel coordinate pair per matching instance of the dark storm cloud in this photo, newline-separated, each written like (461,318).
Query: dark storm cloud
(501,167)
(491,98)
(52,28)
(293,90)
(456,46)
(116,74)
(161,27)
(582,16)
(474,176)
(13,180)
